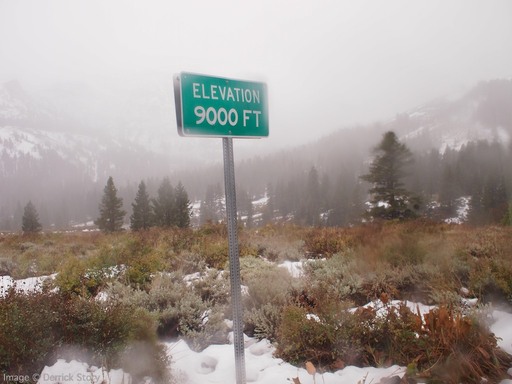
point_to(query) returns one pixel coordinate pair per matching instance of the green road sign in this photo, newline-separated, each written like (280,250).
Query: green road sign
(218,107)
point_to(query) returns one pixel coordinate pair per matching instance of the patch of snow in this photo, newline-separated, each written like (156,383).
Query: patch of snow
(463,207)
(312,316)
(28,285)
(192,278)
(469,303)
(74,372)
(502,329)
(295,268)
(383,308)
(261,202)
(417,114)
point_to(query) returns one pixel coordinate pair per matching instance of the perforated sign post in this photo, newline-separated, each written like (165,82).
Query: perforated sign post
(209,106)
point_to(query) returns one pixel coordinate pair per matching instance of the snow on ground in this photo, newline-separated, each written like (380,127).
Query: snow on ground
(30,284)
(502,328)
(295,268)
(463,204)
(382,308)
(216,364)
(63,372)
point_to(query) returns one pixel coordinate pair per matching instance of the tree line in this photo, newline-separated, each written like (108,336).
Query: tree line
(396,185)
(170,208)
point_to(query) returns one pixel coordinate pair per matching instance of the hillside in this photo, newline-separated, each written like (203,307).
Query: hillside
(59,148)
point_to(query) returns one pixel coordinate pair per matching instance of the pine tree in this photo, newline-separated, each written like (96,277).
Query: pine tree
(449,192)
(142,216)
(182,207)
(507,218)
(390,198)
(30,221)
(111,212)
(268,211)
(208,210)
(164,207)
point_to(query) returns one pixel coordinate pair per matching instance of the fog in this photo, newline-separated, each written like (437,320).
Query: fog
(328,64)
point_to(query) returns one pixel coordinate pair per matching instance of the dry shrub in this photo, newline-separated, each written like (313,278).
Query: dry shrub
(460,349)
(443,345)
(326,341)
(484,262)
(277,249)
(325,242)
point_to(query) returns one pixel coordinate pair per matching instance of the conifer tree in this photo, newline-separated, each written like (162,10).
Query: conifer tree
(390,198)
(311,202)
(164,207)
(268,211)
(182,207)
(208,211)
(448,191)
(30,220)
(142,216)
(111,212)
(507,219)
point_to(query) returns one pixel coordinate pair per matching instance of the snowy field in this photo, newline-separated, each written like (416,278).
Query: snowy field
(216,364)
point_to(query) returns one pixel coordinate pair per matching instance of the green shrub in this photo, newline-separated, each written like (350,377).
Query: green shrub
(77,277)
(269,290)
(263,322)
(324,340)
(178,309)
(38,328)
(29,330)
(215,253)
(334,279)
(212,286)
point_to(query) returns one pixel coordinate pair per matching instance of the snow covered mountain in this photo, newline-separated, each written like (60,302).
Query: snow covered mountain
(484,113)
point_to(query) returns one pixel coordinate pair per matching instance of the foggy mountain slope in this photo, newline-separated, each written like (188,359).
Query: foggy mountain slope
(49,157)
(139,111)
(63,144)
(484,113)
(31,132)
(20,109)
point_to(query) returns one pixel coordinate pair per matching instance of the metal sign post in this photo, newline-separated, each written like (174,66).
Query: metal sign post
(234,262)
(209,106)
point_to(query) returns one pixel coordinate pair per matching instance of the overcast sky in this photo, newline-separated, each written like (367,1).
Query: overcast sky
(328,64)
